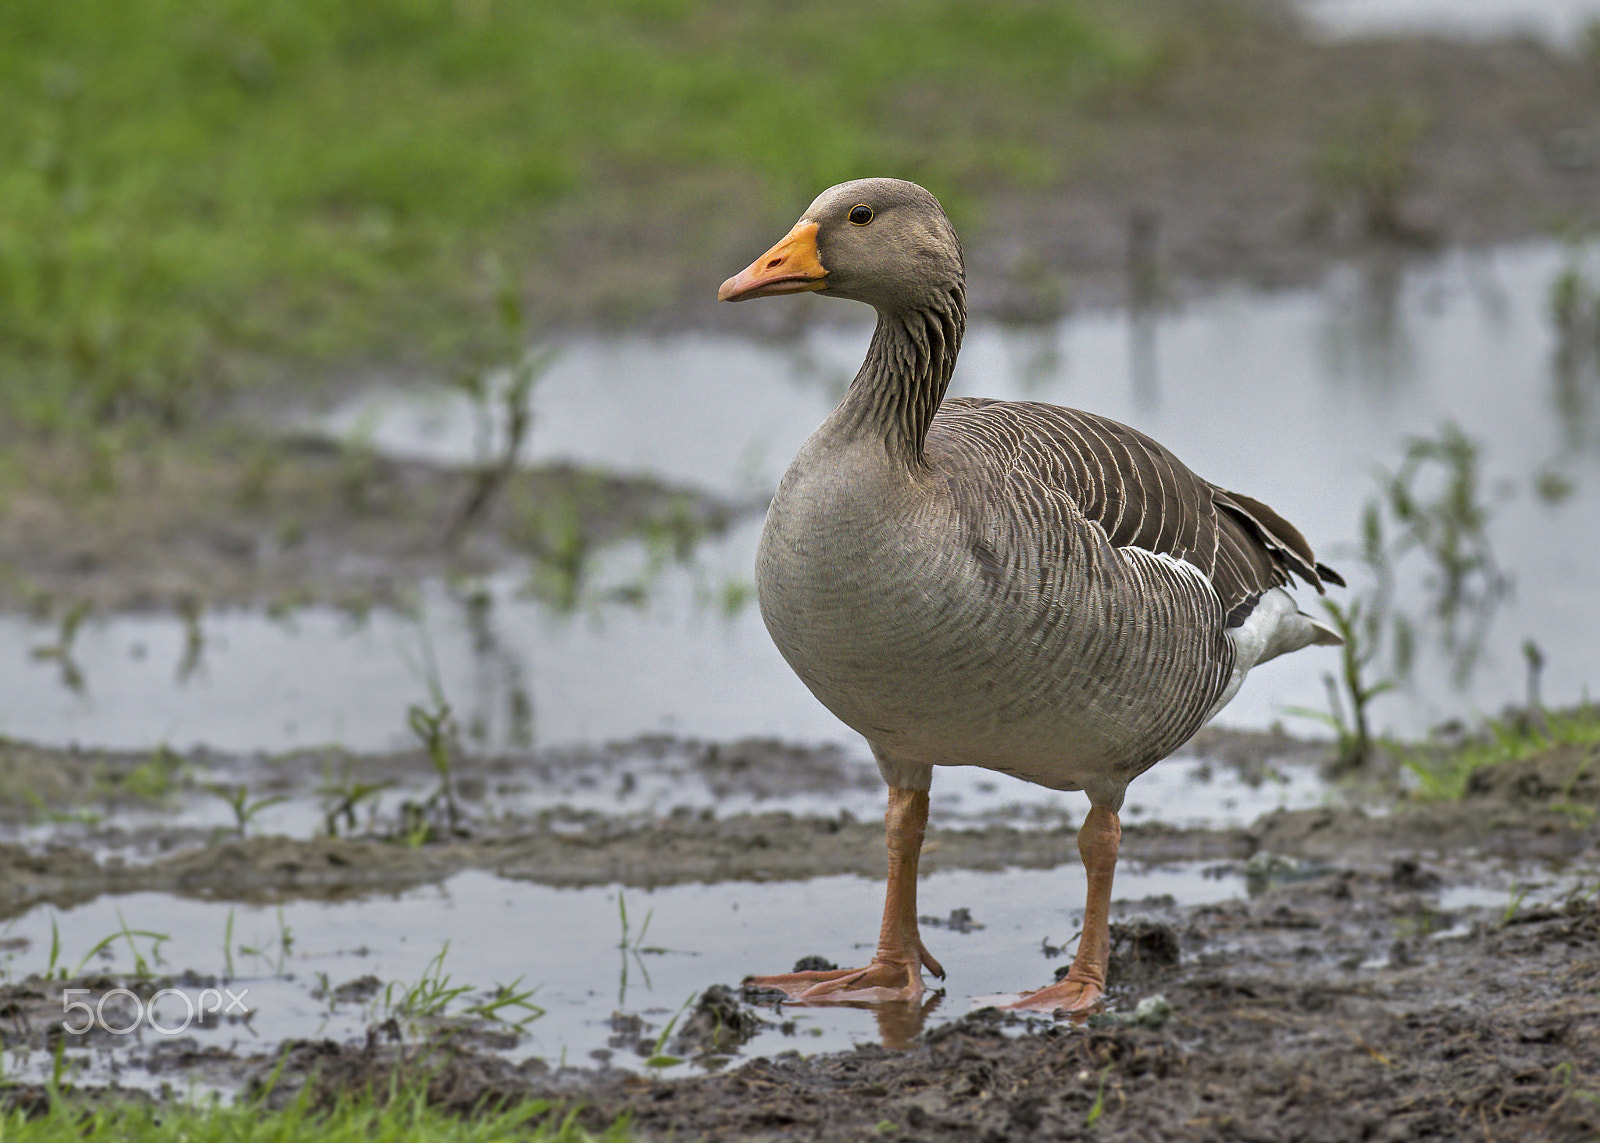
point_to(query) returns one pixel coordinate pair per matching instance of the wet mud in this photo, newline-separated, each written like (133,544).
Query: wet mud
(1538,809)
(1193,178)
(291,521)
(1344,997)
(1283,1021)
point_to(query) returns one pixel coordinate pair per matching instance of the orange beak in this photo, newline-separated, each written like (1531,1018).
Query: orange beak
(790,267)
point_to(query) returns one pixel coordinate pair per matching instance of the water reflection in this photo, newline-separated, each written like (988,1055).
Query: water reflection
(194,639)
(498,673)
(1144,359)
(1575,361)
(900,1022)
(1367,338)
(60,652)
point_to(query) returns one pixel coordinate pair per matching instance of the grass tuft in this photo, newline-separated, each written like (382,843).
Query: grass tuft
(1443,773)
(406,1117)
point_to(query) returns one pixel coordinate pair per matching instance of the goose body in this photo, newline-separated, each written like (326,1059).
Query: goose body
(974,614)
(1036,590)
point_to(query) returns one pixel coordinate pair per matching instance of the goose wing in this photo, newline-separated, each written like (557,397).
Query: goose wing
(1134,490)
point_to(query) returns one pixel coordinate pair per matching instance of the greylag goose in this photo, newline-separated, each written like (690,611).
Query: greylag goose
(1028,588)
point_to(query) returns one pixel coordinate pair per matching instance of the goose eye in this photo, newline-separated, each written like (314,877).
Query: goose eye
(860,215)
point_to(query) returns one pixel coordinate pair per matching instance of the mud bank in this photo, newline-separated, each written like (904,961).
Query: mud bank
(289,521)
(1537,809)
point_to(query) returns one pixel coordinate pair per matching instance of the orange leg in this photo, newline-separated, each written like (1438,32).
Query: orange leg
(1085,982)
(896,970)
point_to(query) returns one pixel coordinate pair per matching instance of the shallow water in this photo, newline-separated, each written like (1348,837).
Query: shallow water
(1557,22)
(1298,397)
(570,947)
(565,943)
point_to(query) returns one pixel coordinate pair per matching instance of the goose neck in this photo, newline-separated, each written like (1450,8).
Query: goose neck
(908,367)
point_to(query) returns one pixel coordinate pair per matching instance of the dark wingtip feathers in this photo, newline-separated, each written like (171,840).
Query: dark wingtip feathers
(1282,538)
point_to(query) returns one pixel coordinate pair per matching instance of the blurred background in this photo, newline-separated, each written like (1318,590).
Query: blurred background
(363,393)
(351,354)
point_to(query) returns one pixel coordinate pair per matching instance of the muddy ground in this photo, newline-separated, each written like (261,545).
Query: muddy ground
(1534,810)
(1338,1002)
(1278,1022)
(301,519)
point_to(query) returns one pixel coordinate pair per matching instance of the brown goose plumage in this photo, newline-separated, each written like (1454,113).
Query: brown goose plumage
(1028,588)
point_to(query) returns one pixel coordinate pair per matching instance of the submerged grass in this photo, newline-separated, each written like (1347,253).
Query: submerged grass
(187,188)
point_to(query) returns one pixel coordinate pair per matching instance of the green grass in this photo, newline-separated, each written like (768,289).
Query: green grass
(1442,774)
(188,190)
(405,1118)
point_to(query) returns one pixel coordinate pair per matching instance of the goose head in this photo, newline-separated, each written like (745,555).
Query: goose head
(885,242)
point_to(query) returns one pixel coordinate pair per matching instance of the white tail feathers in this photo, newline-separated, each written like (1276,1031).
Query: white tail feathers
(1274,628)
(1325,636)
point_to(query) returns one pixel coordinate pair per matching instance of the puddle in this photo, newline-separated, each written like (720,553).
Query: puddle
(517,673)
(564,944)
(606,990)
(1557,22)
(1341,375)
